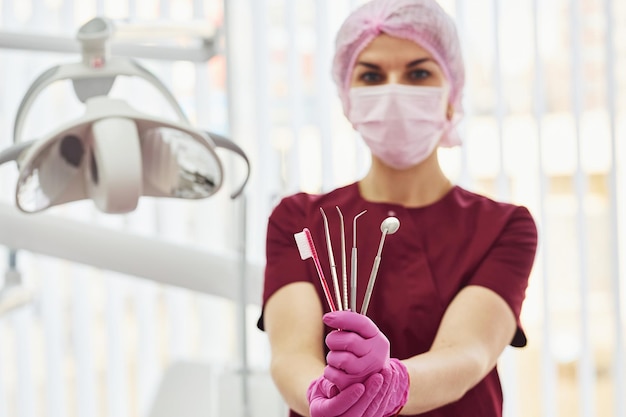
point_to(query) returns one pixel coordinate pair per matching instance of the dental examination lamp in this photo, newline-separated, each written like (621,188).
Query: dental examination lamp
(112,154)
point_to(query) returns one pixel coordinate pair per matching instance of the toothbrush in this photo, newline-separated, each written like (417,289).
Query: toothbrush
(331,260)
(353,264)
(344,274)
(389,226)
(306,247)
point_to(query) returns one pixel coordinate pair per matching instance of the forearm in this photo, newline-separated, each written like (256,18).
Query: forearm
(474,331)
(441,377)
(292,375)
(293,323)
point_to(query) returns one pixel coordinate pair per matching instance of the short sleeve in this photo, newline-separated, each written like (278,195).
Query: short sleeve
(283,263)
(506,267)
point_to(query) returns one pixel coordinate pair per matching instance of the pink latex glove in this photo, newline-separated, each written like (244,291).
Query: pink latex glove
(381,395)
(325,399)
(357,351)
(393,393)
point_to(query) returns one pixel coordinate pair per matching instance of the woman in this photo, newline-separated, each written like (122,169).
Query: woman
(452,279)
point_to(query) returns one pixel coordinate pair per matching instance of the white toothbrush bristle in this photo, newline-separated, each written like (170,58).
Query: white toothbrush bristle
(303,242)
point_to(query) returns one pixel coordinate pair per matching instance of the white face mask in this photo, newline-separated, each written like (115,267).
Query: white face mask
(402,125)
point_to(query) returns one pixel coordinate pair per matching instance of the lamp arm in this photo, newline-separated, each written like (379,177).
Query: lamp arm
(225,143)
(14,152)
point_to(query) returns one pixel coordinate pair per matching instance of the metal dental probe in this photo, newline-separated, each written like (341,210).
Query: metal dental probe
(389,226)
(331,260)
(353,264)
(344,273)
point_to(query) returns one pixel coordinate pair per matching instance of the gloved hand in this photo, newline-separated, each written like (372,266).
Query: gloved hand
(394,391)
(325,399)
(358,350)
(381,395)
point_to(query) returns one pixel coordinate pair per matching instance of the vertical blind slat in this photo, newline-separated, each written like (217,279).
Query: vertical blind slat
(85,376)
(502,188)
(362,153)
(294,72)
(242,317)
(53,330)
(100,8)
(146,355)
(178,335)
(4,412)
(230,16)
(462,27)
(117,368)
(548,368)
(132,8)
(267,161)
(22,326)
(586,371)
(507,361)
(164,8)
(67,14)
(619,365)
(323,95)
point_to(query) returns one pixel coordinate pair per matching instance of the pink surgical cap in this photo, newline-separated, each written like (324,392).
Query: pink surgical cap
(421,21)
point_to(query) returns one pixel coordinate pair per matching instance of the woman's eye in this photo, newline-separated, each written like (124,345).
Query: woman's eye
(371,77)
(419,74)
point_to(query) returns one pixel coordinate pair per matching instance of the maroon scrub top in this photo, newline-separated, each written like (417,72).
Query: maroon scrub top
(462,239)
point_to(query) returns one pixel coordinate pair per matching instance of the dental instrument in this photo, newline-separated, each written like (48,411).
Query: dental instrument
(306,247)
(331,260)
(344,274)
(389,226)
(353,263)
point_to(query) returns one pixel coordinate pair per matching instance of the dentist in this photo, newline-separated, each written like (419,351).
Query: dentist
(451,286)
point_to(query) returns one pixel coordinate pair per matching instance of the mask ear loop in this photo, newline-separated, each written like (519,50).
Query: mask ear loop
(449,112)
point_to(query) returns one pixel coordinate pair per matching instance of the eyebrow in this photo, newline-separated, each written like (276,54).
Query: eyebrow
(409,65)
(418,62)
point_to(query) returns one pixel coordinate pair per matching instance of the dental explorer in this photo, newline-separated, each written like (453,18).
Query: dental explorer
(389,226)
(331,260)
(353,264)
(344,273)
